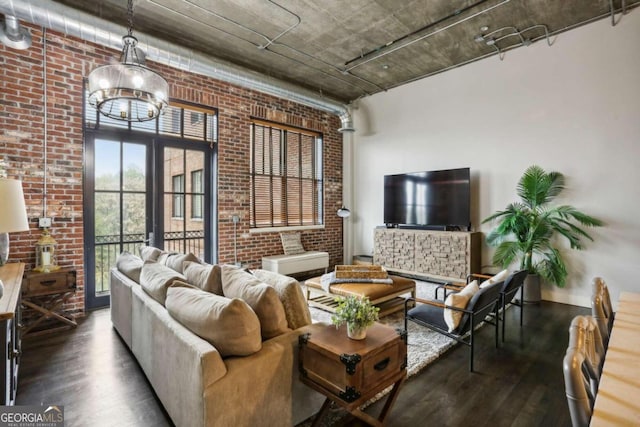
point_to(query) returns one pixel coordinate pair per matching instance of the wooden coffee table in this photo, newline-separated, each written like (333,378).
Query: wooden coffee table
(388,298)
(350,372)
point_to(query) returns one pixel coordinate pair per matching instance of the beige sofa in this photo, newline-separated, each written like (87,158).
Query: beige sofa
(195,383)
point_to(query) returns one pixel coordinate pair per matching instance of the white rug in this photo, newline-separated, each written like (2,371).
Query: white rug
(423,345)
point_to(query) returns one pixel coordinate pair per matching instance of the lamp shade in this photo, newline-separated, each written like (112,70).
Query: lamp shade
(13,212)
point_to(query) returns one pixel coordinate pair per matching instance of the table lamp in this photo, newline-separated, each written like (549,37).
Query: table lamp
(13,214)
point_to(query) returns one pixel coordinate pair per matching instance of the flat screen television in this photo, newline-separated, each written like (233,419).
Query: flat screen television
(432,199)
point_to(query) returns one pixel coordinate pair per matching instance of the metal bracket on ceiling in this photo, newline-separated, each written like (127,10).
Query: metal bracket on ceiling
(513,32)
(613,12)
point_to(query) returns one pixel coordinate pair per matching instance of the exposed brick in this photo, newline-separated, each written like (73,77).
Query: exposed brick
(68,61)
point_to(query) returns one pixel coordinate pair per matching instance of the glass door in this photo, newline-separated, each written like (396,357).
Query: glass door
(184,210)
(117,208)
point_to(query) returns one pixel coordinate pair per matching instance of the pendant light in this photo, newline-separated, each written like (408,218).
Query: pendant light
(128,90)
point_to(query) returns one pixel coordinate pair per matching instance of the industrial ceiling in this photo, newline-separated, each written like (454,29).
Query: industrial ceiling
(348,49)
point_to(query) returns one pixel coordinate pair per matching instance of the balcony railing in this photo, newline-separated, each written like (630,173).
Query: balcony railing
(108,247)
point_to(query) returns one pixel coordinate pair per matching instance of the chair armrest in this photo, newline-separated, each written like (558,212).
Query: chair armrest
(448,286)
(435,304)
(478,276)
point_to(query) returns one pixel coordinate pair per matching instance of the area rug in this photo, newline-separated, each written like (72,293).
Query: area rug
(423,347)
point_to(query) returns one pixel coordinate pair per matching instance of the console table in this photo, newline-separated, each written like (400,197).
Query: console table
(11,276)
(442,255)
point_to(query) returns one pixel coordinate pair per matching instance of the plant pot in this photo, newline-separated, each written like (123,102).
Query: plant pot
(356,332)
(532,294)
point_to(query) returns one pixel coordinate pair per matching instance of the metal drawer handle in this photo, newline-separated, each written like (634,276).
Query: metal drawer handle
(382,365)
(47,282)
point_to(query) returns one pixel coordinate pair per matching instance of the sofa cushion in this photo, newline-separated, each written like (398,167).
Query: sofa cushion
(155,278)
(149,253)
(459,300)
(262,298)
(129,265)
(228,324)
(290,293)
(175,261)
(204,276)
(291,243)
(164,256)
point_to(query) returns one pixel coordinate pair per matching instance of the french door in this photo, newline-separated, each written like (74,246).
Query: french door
(141,189)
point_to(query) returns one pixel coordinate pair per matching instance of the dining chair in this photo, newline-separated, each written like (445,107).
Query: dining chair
(601,308)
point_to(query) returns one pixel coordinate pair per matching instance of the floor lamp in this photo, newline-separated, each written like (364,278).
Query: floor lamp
(13,214)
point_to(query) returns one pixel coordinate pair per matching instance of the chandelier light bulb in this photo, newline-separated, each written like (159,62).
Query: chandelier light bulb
(137,81)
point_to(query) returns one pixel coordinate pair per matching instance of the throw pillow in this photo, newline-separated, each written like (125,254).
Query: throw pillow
(204,276)
(129,265)
(262,298)
(228,324)
(149,253)
(495,279)
(290,293)
(459,300)
(156,278)
(291,243)
(174,261)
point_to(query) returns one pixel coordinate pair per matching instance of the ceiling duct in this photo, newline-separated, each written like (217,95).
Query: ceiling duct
(61,18)
(13,35)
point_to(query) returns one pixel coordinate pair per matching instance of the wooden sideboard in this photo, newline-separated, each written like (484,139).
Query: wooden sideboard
(11,276)
(442,255)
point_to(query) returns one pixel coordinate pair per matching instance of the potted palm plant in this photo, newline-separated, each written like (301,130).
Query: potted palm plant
(526,229)
(358,313)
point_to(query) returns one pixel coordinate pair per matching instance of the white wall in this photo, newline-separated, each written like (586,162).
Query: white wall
(573,107)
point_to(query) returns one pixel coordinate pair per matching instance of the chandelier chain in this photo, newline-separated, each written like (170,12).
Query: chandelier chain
(130,16)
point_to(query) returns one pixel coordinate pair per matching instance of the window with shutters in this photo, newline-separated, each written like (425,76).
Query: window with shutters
(286,176)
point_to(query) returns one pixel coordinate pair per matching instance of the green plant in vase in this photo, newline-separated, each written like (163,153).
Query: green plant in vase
(526,229)
(357,313)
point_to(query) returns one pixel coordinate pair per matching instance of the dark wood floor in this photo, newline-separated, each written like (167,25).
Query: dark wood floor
(91,372)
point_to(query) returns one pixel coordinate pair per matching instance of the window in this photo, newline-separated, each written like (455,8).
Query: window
(177,188)
(197,190)
(286,176)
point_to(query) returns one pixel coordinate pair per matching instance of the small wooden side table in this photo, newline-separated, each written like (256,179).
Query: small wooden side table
(350,372)
(45,294)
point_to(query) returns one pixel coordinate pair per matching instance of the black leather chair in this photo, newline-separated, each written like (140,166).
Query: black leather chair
(512,284)
(431,315)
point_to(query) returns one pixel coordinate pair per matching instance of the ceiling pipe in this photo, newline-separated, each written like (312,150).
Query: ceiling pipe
(13,35)
(72,22)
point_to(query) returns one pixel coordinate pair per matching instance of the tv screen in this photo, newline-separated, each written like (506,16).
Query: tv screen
(431,198)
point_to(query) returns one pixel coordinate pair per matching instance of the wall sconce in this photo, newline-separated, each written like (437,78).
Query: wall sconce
(343,212)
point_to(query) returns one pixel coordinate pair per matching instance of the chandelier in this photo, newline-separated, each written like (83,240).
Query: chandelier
(128,90)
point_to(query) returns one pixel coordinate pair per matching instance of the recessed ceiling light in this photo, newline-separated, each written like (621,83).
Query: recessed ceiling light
(385,67)
(484,28)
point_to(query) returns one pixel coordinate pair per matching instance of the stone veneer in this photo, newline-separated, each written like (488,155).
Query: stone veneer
(445,255)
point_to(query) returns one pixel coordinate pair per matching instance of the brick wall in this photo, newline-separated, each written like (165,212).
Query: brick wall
(68,61)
